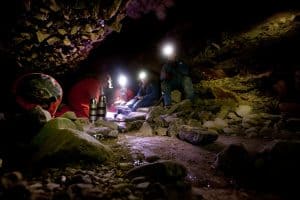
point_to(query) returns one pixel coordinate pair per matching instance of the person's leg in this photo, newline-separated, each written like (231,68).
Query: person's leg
(166,92)
(131,102)
(188,88)
(142,103)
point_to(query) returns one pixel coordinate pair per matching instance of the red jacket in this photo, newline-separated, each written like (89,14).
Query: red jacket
(80,94)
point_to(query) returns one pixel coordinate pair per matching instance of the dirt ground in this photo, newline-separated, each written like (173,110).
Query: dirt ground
(210,183)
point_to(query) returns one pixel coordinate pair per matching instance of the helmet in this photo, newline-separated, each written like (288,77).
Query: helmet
(40,89)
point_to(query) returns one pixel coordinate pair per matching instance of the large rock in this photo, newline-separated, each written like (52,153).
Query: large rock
(233,160)
(174,127)
(32,120)
(185,105)
(59,142)
(154,112)
(111,125)
(217,124)
(164,170)
(195,135)
(134,125)
(146,130)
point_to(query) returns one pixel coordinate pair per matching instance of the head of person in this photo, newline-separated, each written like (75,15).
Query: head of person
(106,80)
(168,51)
(144,77)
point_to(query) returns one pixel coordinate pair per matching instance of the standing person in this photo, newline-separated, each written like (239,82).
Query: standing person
(147,95)
(175,75)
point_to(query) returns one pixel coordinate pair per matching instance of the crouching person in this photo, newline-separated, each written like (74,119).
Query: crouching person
(175,75)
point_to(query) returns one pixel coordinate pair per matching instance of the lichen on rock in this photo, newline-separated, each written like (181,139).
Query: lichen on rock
(59,142)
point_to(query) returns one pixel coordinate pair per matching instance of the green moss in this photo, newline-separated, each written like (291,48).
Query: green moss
(59,141)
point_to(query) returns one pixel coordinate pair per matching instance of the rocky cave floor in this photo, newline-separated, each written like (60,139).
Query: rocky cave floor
(109,181)
(132,149)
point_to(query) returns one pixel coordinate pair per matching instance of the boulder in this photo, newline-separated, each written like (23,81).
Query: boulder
(154,112)
(59,142)
(133,116)
(111,125)
(174,127)
(81,123)
(32,120)
(102,132)
(146,130)
(217,124)
(267,132)
(233,160)
(194,122)
(69,115)
(185,105)
(196,136)
(163,170)
(134,125)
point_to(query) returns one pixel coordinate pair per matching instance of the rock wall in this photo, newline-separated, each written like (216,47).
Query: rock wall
(54,36)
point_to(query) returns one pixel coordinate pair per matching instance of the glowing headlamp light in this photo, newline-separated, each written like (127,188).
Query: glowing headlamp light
(122,80)
(142,75)
(168,50)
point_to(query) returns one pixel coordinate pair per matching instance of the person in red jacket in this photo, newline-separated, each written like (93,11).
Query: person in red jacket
(80,94)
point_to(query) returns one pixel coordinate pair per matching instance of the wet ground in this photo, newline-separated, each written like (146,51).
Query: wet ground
(199,161)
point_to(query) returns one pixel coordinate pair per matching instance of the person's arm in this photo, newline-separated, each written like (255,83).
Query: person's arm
(151,92)
(165,73)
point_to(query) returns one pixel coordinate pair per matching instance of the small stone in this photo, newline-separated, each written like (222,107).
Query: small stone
(36,186)
(176,96)
(243,110)
(121,186)
(143,185)
(196,136)
(113,134)
(67,42)
(132,197)
(161,131)
(63,179)
(164,170)
(62,31)
(52,186)
(41,36)
(125,166)
(146,130)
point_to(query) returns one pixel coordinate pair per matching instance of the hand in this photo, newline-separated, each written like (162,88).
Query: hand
(140,98)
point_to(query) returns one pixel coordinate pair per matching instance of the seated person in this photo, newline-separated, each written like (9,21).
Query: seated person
(147,95)
(175,75)
(81,92)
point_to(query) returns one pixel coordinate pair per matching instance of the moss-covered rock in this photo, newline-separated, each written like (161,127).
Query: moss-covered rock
(59,142)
